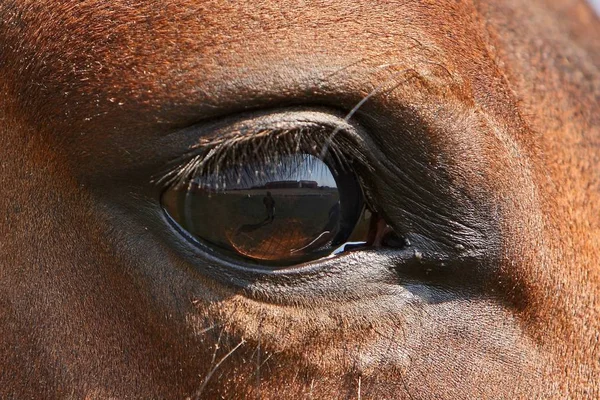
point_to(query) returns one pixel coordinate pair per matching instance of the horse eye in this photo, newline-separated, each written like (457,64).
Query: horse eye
(284,211)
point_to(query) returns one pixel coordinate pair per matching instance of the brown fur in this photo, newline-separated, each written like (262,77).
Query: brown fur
(96,298)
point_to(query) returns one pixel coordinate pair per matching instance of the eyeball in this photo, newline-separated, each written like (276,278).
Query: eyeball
(283,211)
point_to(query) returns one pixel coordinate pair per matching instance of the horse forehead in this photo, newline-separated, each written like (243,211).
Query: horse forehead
(110,46)
(83,43)
(98,53)
(210,22)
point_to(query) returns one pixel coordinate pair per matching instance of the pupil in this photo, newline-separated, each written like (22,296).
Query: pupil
(284,211)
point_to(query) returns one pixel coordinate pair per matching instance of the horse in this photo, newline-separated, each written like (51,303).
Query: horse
(472,129)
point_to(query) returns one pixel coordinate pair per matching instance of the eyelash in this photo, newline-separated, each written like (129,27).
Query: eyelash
(220,157)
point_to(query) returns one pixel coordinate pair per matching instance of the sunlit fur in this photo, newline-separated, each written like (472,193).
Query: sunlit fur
(99,299)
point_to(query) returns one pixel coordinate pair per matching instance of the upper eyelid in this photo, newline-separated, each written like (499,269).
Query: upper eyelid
(240,142)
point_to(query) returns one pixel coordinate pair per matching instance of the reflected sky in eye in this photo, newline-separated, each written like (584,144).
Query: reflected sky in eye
(293,171)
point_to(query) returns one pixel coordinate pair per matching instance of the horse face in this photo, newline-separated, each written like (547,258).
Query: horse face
(472,129)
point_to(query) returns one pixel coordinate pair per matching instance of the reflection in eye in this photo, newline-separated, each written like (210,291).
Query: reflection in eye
(288,210)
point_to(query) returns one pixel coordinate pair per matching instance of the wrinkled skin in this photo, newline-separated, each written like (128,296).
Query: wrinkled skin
(483,131)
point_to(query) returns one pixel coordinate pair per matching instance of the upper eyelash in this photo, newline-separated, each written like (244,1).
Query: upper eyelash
(212,156)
